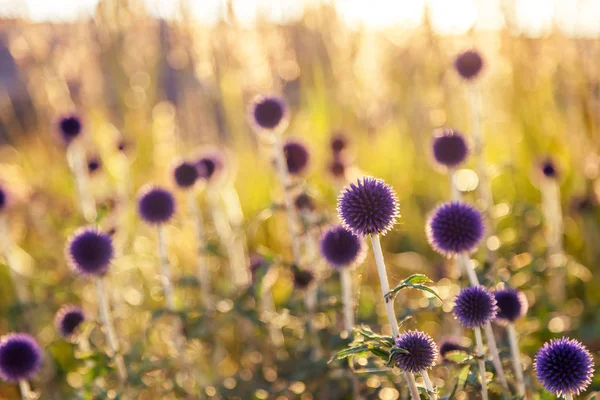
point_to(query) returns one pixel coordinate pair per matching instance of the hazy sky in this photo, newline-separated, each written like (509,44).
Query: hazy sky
(448,16)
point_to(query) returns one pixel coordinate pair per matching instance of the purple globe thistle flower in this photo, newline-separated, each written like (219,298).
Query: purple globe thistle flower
(449,148)
(304,202)
(185,174)
(341,248)
(302,278)
(296,156)
(448,345)
(454,228)
(68,319)
(511,303)
(564,366)
(337,168)
(209,166)
(422,351)
(339,142)
(369,206)
(548,168)
(94,164)
(20,357)
(268,113)
(69,127)
(468,64)
(90,251)
(156,205)
(475,306)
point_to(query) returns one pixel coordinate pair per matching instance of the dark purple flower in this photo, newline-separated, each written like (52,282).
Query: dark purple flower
(475,306)
(468,64)
(338,143)
(94,164)
(340,247)
(156,205)
(185,174)
(268,113)
(449,148)
(422,351)
(369,206)
(512,304)
(68,319)
(302,277)
(20,357)
(304,202)
(448,345)
(296,156)
(337,168)
(455,228)
(548,168)
(564,366)
(123,145)
(3,198)
(210,165)
(90,251)
(70,127)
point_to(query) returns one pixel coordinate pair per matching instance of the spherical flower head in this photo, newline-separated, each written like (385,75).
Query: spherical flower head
(455,228)
(302,278)
(20,357)
(468,64)
(564,366)
(156,205)
(268,113)
(338,143)
(449,148)
(296,156)
(337,168)
(341,248)
(304,202)
(548,168)
(448,345)
(209,166)
(185,174)
(422,351)
(511,303)
(68,319)
(70,127)
(94,164)
(475,306)
(90,251)
(369,206)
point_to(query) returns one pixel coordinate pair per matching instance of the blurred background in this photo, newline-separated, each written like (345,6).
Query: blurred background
(157,80)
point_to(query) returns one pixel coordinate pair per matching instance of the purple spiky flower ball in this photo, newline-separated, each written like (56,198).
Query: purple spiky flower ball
(475,306)
(20,357)
(455,228)
(68,319)
(512,304)
(449,344)
(564,366)
(422,351)
(90,251)
(156,205)
(341,248)
(69,127)
(450,148)
(268,113)
(297,156)
(369,206)
(468,64)
(185,174)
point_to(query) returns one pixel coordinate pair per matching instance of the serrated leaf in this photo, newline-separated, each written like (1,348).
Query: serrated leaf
(412,282)
(379,352)
(350,351)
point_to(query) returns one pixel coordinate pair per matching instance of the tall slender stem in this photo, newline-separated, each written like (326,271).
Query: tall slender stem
(202,267)
(428,384)
(568,396)
(165,270)
(111,336)
(389,307)
(21,290)
(346,283)
(76,158)
(551,209)
(481,362)
(465,260)
(516,358)
(25,389)
(454,192)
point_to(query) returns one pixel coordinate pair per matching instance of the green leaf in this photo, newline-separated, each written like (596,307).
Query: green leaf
(412,282)
(393,351)
(457,356)
(380,352)
(350,351)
